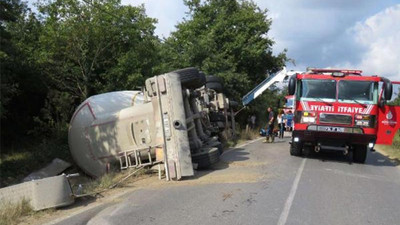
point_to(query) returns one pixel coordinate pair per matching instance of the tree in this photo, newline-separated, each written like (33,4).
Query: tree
(89,47)
(9,12)
(227,38)
(22,89)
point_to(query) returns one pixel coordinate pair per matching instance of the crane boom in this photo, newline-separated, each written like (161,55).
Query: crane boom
(264,85)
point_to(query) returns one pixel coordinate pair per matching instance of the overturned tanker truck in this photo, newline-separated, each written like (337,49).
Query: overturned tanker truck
(177,120)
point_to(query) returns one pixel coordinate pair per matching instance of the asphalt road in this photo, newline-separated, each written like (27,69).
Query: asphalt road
(262,184)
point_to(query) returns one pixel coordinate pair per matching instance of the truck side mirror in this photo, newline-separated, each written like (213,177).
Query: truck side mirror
(388,89)
(292,84)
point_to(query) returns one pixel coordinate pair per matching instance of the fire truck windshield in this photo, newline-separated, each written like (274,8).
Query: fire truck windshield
(348,91)
(321,90)
(364,92)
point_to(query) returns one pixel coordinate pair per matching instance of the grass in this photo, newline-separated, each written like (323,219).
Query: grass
(393,151)
(101,183)
(243,136)
(11,214)
(107,180)
(19,160)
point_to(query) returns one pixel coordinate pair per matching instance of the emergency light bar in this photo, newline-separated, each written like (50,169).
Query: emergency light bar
(335,71)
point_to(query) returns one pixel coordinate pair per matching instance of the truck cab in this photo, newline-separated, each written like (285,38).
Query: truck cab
(341,110)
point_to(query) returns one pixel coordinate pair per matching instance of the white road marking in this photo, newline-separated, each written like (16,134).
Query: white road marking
(289,200)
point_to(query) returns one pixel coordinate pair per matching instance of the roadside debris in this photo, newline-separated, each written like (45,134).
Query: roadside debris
(41,194)
(56,167)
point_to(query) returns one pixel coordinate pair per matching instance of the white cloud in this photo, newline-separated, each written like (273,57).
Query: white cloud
(380,35)
(167,12)
(317,33)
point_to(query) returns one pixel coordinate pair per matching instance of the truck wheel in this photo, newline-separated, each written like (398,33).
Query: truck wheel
(215,86)
(191,77)
(216,117)
(296,148)
(307,150)
(206,159)
(359,153)
(213,79)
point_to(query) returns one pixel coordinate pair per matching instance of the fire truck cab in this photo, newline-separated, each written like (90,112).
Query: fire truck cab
(341,110)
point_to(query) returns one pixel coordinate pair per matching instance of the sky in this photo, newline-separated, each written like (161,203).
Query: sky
(353,34)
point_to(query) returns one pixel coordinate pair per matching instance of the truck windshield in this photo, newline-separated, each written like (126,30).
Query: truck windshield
(321,90)
(357,91)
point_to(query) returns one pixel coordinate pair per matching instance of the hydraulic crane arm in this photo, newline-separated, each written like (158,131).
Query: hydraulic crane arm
(264,85)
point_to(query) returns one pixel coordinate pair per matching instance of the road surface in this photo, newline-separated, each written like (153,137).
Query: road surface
(262,184)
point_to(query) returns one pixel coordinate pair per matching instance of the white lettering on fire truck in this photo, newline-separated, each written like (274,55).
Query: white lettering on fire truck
(345,109)
(323,108)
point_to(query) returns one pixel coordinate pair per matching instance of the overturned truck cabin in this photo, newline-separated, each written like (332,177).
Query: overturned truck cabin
(176,120)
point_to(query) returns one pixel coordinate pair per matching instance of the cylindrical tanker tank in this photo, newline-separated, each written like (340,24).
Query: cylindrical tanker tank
(100,129)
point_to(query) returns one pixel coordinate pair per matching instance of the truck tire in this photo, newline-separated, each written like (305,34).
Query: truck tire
(215,86)
(191,77)
(206,159)
(359,153)
(216,117)
(213,79)
(296,148)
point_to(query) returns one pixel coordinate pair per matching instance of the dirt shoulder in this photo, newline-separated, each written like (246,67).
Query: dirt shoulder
(391,152)
(216,174)
(84,204)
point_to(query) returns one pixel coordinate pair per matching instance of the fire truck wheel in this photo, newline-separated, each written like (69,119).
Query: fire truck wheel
(295,149)
(215,86)
(191,77)
(307,150)
(359,153)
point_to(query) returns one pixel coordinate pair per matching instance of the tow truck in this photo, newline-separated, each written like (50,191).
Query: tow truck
(341,110)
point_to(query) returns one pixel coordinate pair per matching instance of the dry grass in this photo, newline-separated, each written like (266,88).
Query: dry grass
(107,180)
(393,151)
(100,184)
(249,135)
(243,137)
(11,214)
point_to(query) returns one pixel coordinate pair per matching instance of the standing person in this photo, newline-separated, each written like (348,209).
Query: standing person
(248,125)
(253,121)
(281,123)
(270,125)
(289,120)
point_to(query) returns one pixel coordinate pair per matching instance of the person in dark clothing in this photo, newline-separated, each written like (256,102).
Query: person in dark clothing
(270,125)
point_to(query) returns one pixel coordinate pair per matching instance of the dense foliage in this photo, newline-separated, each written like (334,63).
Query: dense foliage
(227,38)
(68,50)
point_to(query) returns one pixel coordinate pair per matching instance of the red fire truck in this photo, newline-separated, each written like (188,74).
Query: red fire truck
(341,110)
